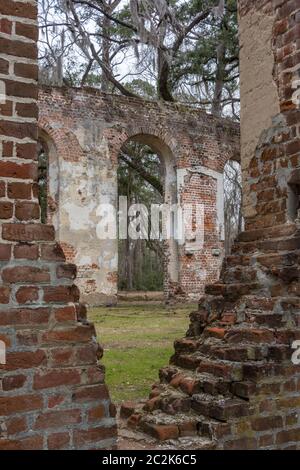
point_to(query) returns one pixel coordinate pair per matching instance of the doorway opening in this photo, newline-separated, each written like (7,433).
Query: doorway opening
(141,260)
(48,180)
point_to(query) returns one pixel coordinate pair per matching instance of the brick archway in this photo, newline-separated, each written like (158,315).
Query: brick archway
(166,150)
(194,145)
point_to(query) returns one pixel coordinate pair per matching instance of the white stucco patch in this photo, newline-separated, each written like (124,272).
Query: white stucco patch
(219,177)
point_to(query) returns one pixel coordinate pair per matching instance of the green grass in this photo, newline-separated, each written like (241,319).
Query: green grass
(137,340)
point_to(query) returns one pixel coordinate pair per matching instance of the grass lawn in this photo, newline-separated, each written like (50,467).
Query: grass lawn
(137,340)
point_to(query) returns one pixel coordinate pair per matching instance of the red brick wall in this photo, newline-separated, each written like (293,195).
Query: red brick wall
(52,391)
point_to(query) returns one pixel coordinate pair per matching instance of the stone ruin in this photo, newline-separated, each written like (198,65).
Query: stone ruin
(231,383)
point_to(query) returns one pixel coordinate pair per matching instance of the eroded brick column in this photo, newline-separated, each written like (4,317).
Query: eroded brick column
(52,391)
(270,76)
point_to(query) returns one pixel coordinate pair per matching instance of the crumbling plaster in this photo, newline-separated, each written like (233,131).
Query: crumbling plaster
(256,57)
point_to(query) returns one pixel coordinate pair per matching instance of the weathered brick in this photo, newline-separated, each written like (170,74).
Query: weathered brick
(24,316)
(15,170)
(93,435)
(26,210)
(25,360)
(2,188)
(13,382)
(20,403)
(19,190)
(97,413)
(25,274)
(52,252)
(58,441)
(27,110)
(66,271)
(27,232)
(4,294)
(27,30)
(56,378)
(162,432)
(5,252)
(91,393)
(6,210)
(292,435)
(267,423)
(16,425)
(19,130)
(61,294)
(5,26)
(4,65)
(65,314)
(19,49)
(27,151)
(27,294)
(26,251)
(57,419)
(20,9)
(26,70)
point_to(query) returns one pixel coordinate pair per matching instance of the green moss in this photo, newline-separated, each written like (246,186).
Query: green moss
(138,341)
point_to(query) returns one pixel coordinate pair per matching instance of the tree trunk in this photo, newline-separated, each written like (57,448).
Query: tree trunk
(163,78)
(220,73)
(105,54)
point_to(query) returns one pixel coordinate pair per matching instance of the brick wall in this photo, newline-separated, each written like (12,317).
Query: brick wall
(88,128)
(52,391)
(270,118)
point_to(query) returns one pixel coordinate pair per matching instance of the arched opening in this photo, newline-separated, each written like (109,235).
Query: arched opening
(146,181)
(233,218)
(48,180)
(293,206)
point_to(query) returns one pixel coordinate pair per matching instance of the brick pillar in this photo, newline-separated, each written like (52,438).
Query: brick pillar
(232,383)
(52,391)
